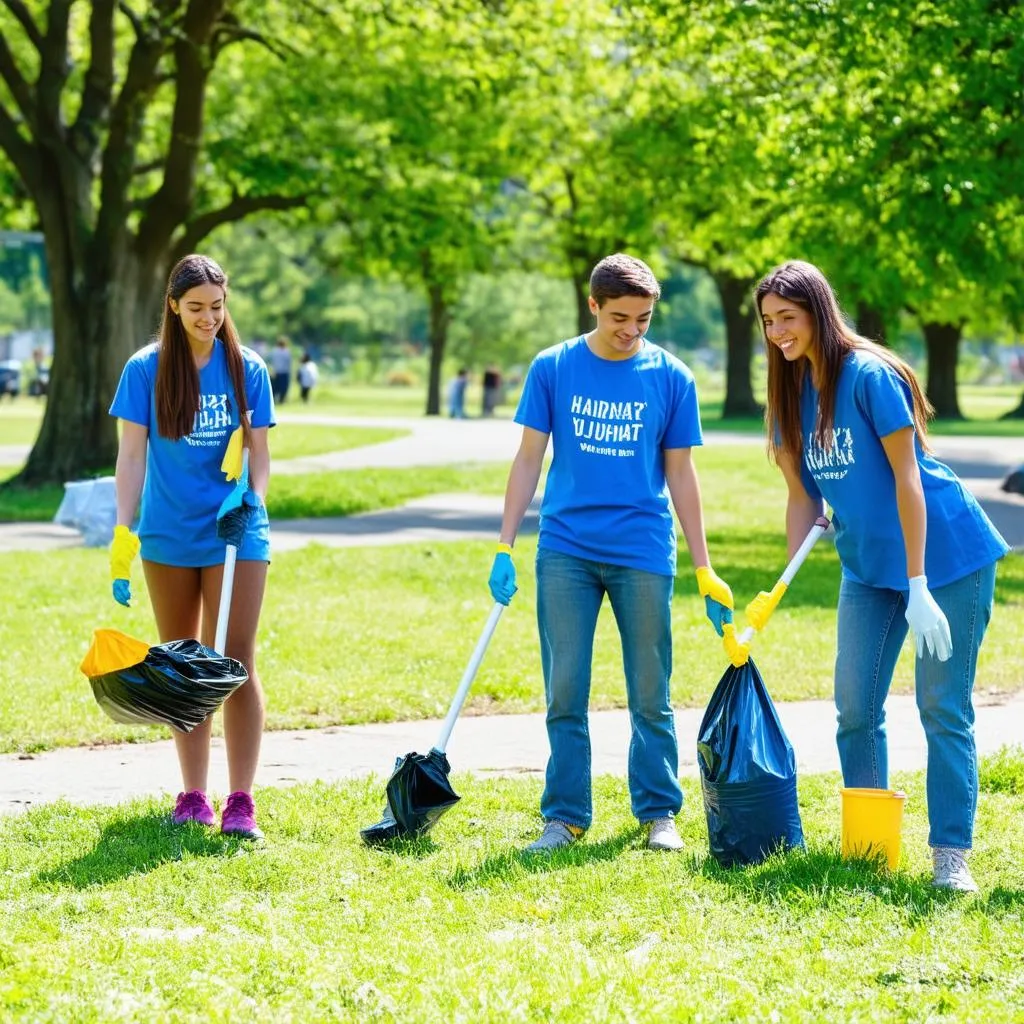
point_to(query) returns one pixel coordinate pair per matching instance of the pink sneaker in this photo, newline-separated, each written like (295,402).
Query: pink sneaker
(193,806)
(239,817)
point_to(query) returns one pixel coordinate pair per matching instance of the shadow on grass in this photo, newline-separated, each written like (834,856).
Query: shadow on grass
(506,864)
(135,846)
(817,877)
(413,849)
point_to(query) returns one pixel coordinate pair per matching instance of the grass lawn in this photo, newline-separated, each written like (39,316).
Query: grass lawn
(375,634)
(288,441)
(111,915)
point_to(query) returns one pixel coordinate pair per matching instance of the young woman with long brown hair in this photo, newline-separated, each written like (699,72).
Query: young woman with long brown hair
(846,425)
(180,401)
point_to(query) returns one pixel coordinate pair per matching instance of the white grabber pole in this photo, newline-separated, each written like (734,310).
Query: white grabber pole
(227,584)
(820,526)
(467,677)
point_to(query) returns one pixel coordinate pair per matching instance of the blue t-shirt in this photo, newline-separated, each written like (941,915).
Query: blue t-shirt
(184,485)
(855,478)
(610,421)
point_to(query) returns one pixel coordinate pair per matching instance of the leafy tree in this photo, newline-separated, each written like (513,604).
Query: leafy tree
(103,121)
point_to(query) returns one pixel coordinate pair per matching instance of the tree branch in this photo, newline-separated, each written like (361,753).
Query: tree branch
(126,116)
(147,168)
(99,81)
(54,67)
(16,82)
(135,20)
(172,201)
(239,208)
(20,11)
(230,31)
(19,151)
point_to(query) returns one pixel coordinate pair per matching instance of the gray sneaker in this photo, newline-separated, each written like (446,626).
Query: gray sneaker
(556,836)
(663,835)
(950,869)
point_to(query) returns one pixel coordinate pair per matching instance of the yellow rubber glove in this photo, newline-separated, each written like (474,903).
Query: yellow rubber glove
(759,611)
(231,466)
(717,597)
(123,549)
(738,653)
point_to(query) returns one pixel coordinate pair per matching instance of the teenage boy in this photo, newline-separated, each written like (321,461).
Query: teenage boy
(623,417)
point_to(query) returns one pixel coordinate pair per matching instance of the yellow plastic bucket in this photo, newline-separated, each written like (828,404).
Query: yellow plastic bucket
(872,819)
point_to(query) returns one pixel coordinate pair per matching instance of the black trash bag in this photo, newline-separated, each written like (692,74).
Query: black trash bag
(1014,483)
(747,772)
(179,684)
(418,793)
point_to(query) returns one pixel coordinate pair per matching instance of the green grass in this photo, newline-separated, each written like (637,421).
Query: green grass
(289,440)
(19,422)
(347,492)
(111,915)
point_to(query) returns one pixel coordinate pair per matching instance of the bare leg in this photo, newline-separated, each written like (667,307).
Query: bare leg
(176,595)
(244,709)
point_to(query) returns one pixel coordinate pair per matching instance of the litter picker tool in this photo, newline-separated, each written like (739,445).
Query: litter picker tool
(418,792)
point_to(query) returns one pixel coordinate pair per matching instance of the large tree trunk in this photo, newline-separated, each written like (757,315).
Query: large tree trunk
(942,342)
(440,318)
(871,323)
(101,314)
(1017,413)
(106,278)
(738,314)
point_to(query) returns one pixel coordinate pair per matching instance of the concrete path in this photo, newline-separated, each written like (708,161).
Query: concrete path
(981,462)
(485,744)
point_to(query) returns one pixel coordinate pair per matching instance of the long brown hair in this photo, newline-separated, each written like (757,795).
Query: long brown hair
(177,379)
(806,286)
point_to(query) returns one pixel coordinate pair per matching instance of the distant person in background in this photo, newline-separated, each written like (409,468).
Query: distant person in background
(307,376)
(457,395)
(281,367)
(40,382)
(492,390)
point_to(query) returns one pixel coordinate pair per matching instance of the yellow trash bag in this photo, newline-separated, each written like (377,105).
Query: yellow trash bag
(111,650)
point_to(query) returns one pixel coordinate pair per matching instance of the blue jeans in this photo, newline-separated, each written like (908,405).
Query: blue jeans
(871,631)
(569,595)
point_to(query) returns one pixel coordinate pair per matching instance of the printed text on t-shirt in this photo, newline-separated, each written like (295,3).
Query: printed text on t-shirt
(604,427)
(212,421)
(830,463)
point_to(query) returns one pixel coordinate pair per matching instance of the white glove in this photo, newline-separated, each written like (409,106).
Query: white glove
(927,621)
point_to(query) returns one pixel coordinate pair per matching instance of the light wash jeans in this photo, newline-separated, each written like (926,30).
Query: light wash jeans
(569,595)
(871,631)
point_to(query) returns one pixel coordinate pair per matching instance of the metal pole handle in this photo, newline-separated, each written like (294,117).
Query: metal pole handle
(227,585)
(467,677)
(821,524)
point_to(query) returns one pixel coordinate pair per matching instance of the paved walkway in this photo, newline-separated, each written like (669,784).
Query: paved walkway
(485,744)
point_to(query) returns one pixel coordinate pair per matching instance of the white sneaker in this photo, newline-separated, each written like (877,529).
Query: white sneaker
(556,836)
(663,835)
(950,869)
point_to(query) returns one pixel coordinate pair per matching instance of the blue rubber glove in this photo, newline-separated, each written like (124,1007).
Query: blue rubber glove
(503,575)
(122,590)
